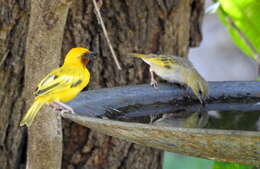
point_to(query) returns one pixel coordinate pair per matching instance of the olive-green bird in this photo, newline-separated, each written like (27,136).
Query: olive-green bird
(175,69)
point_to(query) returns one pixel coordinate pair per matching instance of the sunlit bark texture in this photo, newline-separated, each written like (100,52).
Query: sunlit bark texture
(158,26)
(42,54)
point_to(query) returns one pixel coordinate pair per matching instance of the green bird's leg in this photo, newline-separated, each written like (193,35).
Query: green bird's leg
(153,81)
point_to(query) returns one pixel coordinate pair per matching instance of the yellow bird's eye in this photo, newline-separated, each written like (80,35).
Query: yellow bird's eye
(89,55)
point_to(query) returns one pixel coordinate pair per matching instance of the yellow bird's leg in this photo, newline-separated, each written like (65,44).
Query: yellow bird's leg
(62,107)
(55,106)
(153,81)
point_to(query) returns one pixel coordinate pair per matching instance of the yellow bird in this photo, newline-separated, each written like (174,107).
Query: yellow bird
(175,69)
(62,84)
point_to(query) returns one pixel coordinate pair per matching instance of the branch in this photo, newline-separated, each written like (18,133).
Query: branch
(222,145)
(4,57)
(43,52)
(98,14)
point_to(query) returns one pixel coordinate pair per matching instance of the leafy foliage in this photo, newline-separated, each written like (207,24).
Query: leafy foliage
(223,165)
(245,16)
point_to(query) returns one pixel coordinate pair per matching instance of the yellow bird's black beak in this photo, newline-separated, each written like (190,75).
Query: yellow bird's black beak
(87,58)
(90,55)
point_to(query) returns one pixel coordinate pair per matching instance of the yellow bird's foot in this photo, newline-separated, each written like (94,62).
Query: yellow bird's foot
(55,106)
(59,106)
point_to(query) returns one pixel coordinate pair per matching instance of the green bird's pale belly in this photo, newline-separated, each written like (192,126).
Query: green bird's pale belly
(174,74)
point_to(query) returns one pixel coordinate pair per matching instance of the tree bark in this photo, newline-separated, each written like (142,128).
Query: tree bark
(158,26)
(14,17)
(43,53)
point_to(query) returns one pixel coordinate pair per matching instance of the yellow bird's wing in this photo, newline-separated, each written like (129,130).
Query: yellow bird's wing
(58,80)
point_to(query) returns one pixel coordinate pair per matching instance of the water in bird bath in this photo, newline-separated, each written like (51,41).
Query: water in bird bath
(234,116)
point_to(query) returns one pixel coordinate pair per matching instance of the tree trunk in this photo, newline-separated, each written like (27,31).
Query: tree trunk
(14,17)
(158,26)
(42,54)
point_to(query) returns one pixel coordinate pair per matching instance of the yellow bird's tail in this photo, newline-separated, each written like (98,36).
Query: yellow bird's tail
(31,113)
(138,55)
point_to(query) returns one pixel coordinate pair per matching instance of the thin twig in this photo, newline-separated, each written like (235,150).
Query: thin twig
(4,57)
(244,37)
(98,14)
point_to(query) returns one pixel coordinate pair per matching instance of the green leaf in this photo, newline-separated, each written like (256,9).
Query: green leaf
(223,165)
(246,17)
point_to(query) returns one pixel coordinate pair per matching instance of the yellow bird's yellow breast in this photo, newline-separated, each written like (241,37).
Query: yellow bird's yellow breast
(75,87)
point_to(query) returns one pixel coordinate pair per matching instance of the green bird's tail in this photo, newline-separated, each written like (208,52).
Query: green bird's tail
(138,55)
